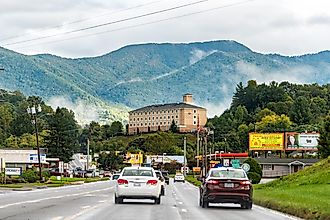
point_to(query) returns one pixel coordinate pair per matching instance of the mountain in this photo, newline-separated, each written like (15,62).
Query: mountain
(139,75)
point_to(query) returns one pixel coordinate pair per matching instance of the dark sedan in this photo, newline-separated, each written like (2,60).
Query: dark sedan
(226,185)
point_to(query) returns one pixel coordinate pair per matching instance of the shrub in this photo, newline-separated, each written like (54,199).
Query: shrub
(254,177)
(30,176)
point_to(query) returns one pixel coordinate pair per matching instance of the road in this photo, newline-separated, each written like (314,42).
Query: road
(95,201)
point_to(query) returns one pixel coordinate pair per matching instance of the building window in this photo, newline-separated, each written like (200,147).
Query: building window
(149,118)
(194,116)
(153,123)
(153,118)
(156,117)
(176,116)
(149,123)
(157,112)
(195,110)
(172,116)
(176,122)
(137,118)
(156,123)
(160,117)
(134,125)
(169,123)
(145,124)
(145,119)
(176,111)
(141,124)
(133,119)
(194,122)
(172,111)
(145,113)
(160,123)
(169,117)
(153,112)
(168,111)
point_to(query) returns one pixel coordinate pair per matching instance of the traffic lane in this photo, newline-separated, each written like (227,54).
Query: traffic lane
(59,205)
(137,209)
(16,197)
(187,196)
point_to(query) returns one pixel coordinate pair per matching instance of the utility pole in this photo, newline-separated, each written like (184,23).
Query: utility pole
(197,147)
(33,111)
(184,155)
(205,157)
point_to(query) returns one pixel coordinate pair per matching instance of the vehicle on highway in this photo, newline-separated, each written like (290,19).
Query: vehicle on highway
(166,177)
(162,181)
(138,183)
(179,177)
(226,185)
(106,173)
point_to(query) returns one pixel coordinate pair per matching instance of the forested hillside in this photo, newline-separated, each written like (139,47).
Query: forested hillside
(276,107)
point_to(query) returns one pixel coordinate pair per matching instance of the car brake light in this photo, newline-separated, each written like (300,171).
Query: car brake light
(122,181)
(212,182)
(152,182)
(245,183)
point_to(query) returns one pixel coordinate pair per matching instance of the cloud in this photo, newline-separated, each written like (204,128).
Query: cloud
(217,109)
(84,112)
(197,55)
(296,74)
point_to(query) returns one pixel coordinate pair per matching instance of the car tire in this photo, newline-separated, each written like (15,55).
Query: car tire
(249,205)
(184,181)
(118,200)
(157,200)
(205,204)
(162,192)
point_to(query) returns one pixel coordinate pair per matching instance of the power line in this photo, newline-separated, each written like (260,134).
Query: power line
(109,23)
(80,20)
(143,24)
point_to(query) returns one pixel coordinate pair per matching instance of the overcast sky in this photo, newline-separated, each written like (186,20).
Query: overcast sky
(288,27)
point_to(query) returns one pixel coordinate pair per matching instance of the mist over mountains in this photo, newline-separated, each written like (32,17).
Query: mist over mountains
(105,88)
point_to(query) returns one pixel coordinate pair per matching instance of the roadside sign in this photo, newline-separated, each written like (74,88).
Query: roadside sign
(13,171)
(246,167)
(61,167)
(196,169)
(235,163)
(226,162)
(33,158)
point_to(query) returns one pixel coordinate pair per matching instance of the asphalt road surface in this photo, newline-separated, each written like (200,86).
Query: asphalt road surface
(95,201)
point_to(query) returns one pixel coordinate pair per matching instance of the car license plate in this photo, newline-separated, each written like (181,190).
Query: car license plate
(229,185)
(137,184)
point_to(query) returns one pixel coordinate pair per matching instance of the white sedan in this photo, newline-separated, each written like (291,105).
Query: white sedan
(179,178)
(137,183)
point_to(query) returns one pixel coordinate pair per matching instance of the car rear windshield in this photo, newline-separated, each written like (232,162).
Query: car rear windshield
(137,172)
(228,173)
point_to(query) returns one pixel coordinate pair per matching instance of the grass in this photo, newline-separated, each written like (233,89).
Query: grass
(12,186)
(305,194)
(193,180)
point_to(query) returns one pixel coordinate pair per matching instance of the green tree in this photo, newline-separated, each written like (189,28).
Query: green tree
(274,123)
(324,141)
(173,127)
(110,161)
(301,111)
(116,128)
(255,172)
(62,141)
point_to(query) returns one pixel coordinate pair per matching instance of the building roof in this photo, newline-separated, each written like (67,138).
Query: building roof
(166,106)
(287,161)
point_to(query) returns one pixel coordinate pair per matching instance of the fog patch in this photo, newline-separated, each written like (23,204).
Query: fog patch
(296,74)
(84,112)
(216,109)
(197,55)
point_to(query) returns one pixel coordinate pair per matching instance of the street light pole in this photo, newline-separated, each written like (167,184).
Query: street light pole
(33,111)
(184,156)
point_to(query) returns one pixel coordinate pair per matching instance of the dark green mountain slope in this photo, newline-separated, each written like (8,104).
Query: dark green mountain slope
(139,75)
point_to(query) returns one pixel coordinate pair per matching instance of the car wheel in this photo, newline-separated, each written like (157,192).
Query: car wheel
(119,200)
(205,204)
(157,201)
(162,192)
(249,205)
(200,201)
(184,181)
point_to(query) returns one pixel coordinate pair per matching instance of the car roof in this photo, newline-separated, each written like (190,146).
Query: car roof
(134,168)
(226,168)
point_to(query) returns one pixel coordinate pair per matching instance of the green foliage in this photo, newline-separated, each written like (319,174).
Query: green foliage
(324,140)
(30,176)
(274,123)
(193,180)
(110,161)
(62,141)
(173,127)
(255,172)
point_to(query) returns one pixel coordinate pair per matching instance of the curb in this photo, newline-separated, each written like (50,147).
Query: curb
(22,189)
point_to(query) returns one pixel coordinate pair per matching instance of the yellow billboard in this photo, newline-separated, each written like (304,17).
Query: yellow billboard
(134,159)
(271,141)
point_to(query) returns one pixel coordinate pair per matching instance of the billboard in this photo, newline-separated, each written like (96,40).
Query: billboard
(33,158)
(302,141)
(271,141)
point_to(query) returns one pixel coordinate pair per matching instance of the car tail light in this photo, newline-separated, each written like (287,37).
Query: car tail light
(213,182)
(152,182)
(245,185)
(122,181)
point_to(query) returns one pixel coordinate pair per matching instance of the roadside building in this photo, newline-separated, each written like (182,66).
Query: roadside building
(185,115)
(277,167)
(21,158)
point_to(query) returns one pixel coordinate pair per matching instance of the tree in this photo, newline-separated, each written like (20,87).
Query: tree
(255,172)
(274,123)
(324,141)
(110,161)
(63,137)
(301,111)
(116,128)
(173,127)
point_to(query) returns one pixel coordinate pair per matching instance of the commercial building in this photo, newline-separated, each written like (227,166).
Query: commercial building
(186,116)
(21,158)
